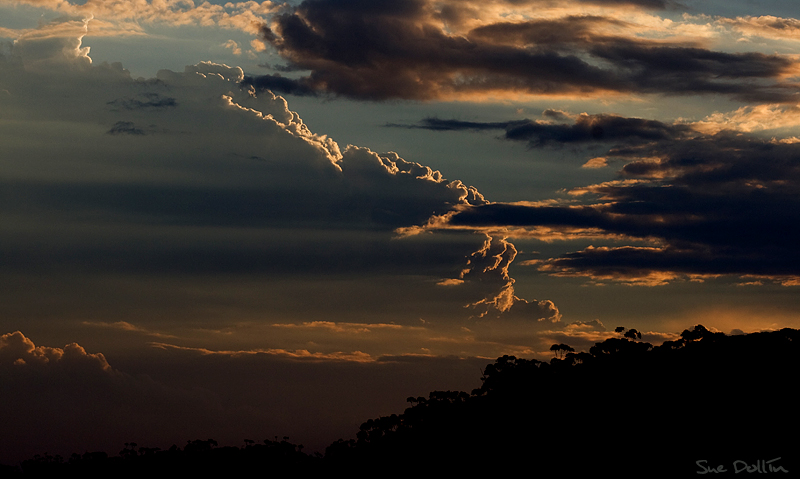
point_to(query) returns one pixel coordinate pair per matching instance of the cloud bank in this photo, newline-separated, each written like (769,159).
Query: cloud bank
(195,174)
(689,205)
(419,50)
(585,128)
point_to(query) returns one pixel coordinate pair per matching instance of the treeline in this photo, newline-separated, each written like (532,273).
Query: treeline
(625,407)
(199,458)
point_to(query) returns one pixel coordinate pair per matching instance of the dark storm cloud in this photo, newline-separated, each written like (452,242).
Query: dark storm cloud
(436,124)
(586,128)
(722,204)
(681,70)
(125,128)
(185,205)
(520,215)
(401,50)
(151,228)
(281,84)
(147,101)
(589,128)
(573,29)
(290,253)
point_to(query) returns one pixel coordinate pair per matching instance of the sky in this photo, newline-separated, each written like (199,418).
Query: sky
(242,220)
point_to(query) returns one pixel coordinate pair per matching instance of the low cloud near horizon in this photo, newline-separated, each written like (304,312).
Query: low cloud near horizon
(173,396)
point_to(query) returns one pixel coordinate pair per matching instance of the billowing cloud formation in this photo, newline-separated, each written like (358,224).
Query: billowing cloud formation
(490,265)
(17,351)
(127,16)
(65,397)
(766,26)
(57,44)
(413,49)
(752,118)
(258,194)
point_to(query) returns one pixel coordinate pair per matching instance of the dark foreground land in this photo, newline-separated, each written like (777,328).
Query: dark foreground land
(708,403)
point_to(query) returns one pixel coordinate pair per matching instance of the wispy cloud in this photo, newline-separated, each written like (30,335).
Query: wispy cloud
(126,326)
(347,328)
(299,354)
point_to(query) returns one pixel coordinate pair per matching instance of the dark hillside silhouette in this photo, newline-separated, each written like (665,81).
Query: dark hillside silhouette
(625,408)
(199,458)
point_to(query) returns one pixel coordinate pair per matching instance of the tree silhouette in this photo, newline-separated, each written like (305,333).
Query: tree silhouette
(633,334)
(561,349)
